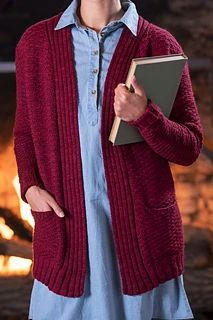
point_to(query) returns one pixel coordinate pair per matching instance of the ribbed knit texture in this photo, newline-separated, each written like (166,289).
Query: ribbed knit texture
(146,221)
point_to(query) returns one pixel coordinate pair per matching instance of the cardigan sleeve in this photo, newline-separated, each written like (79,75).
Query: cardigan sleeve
(178,138)
(23,143)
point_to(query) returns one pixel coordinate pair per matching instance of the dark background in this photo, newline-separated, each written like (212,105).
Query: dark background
(17,15)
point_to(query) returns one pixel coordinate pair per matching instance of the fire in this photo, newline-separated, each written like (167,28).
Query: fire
(24,207)
(5,231)
(14,266)
(11,265)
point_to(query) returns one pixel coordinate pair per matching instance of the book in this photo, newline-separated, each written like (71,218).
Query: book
(160,77)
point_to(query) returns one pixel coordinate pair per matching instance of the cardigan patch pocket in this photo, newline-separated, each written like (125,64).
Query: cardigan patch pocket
(48,238)
(161,230)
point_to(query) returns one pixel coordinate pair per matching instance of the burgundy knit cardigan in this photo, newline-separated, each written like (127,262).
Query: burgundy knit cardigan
(146,221)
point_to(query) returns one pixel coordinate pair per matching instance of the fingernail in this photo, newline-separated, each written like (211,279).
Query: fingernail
(61,214)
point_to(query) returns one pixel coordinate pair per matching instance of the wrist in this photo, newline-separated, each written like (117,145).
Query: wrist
(150,115)
(146,109)
(33,188)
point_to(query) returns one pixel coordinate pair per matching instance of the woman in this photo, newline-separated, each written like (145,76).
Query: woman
(105,36)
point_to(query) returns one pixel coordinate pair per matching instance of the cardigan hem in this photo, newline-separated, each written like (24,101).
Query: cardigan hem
(160,271)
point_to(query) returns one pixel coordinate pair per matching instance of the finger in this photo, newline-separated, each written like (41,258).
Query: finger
(56,208)
(122,88)
(50,200)
(121,95)
(119,98)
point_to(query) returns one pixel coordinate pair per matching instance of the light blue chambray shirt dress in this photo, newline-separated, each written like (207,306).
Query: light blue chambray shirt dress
(103,298)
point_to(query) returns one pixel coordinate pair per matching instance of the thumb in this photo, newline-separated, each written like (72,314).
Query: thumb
(138,89)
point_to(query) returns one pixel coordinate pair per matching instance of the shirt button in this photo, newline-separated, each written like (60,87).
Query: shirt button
(93,91)
(95,70)
(102,33)
(95,51)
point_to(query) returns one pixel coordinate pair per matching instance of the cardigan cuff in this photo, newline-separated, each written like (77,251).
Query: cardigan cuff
(150,115)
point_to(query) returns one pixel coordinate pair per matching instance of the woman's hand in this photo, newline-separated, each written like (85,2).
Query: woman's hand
(40,200)
(129,105)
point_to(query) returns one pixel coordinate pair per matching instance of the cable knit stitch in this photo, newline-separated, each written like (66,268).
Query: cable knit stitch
(146,221)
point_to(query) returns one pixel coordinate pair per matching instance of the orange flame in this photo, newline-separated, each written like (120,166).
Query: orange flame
(11,265)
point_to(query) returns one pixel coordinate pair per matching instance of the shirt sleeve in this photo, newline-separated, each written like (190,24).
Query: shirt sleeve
(178,138)
(23,143)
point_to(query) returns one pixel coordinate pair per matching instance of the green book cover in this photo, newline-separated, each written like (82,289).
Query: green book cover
(160,77)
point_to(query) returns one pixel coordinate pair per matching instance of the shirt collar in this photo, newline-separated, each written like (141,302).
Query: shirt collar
(129,18)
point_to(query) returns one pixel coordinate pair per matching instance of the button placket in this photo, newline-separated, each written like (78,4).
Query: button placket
(93,79)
